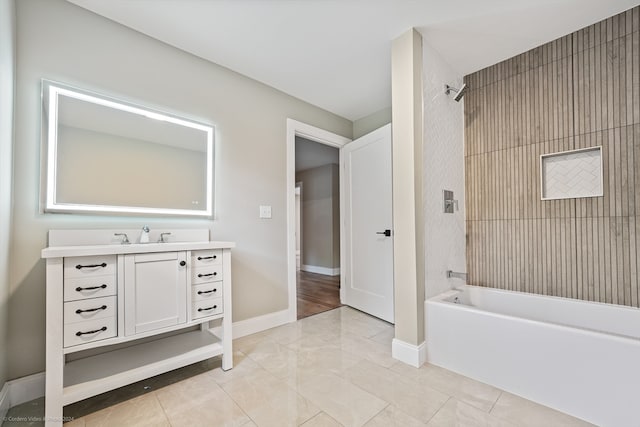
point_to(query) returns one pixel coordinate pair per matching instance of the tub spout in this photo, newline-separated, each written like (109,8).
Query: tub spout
(455,275)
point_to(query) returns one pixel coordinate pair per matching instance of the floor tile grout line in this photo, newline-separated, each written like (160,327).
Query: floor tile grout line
(494,403)
(164,410)
(377,413)
(439,409)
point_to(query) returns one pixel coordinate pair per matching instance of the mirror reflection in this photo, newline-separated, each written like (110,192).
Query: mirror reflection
(105,155)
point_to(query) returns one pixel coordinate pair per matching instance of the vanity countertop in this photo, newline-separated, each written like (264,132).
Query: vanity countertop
(134,248)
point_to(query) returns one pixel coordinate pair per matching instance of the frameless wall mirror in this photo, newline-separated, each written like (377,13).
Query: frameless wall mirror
(109,156)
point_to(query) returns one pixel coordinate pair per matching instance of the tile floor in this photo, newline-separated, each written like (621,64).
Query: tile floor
(331,369)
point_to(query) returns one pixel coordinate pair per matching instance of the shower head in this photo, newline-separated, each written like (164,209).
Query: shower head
(459,92)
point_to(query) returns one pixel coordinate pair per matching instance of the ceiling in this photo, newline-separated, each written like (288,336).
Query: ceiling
(336,54)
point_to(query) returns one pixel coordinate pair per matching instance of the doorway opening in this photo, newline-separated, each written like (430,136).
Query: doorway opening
(317,227)
(321,261)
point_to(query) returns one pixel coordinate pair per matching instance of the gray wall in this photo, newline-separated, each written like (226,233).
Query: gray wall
(371,122)
(311,154)
(7,66)
(59,41)
(320,216)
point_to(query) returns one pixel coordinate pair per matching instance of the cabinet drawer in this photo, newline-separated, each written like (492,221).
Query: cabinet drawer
(211,273)
(89,287)
(87,309)
(204,258)
(206,292)
(89,330)
(206,308)
(88,266)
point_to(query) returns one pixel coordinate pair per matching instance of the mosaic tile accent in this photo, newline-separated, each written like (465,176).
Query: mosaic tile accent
(572,174)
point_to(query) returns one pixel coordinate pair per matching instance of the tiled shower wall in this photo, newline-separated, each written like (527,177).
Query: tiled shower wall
(443,170)
(582,90)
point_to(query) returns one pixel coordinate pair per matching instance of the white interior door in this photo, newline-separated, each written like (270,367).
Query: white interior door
(368,220)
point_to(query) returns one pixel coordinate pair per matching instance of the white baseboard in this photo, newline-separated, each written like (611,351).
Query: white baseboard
(260,323)
(5,404)
(321,270)
(410,354)
(21,390)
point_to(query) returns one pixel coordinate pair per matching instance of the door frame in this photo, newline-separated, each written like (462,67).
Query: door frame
(312,133)
(298,220)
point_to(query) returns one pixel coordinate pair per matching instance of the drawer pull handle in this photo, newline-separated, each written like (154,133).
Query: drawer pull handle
(208,308)
(80,266)
(91,288)
(208,274)
(89,310)
(200,258)
(207,292)
(79,334)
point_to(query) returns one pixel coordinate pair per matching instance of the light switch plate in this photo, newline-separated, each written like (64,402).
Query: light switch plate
(265,212)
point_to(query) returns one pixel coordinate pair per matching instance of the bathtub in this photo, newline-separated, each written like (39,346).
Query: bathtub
(581,358)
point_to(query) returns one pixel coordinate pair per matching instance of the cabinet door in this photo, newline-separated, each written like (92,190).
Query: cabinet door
(155,291)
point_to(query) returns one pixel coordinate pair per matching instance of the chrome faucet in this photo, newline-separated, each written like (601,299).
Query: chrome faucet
(161,239)
(125,238)
(144,236)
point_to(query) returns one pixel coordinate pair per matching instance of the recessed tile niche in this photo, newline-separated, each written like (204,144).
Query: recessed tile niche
(571,174)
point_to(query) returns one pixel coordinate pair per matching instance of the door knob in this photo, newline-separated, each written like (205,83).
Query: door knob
(385,232)
(183,263)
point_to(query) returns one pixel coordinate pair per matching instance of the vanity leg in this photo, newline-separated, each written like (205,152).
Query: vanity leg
(227,336)
(54,341)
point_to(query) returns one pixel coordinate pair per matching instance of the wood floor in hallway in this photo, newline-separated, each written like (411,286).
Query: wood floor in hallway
(317,293)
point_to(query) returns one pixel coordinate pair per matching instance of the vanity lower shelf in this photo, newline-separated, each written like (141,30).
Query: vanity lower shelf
(93,375)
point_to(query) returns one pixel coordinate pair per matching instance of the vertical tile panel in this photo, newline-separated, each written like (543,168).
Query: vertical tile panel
(609,249)
(597,92)
(601,261)
(624,175)
(541,261)
(596,140)
(578,102)
(635,81)
(469,252)
(568,96)
(628,84)
(590,292)
(625,298)
(594,260)
(616,259)
(582,289)
(618,171)
(562,260)
(577,291)
(591,93)
(611,170)
(634,238)
(611,84)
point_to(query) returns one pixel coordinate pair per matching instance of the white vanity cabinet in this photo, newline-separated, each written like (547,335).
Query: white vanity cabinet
(117,314)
